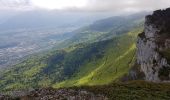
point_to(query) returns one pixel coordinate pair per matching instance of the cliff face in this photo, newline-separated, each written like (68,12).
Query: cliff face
(153,47)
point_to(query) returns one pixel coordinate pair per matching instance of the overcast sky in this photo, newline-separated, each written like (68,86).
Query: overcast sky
(85,5)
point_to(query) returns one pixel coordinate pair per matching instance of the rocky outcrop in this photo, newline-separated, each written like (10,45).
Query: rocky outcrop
(63,94)
(54,94)
(153,47)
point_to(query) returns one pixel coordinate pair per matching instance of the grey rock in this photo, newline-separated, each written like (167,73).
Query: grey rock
(154,41)
(61,94)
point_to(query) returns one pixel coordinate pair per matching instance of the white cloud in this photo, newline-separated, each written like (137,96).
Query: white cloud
(87,5)
(15,4)
(119,5)
(59,4)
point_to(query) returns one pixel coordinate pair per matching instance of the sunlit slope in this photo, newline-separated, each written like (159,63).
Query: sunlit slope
(118,57)
(98,56)
(92,64)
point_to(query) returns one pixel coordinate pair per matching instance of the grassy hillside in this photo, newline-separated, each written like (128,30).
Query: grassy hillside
(97,55)
(84,64)
(133,90)
(118,57)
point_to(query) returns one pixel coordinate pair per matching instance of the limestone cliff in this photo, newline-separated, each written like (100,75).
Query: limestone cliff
(153,47)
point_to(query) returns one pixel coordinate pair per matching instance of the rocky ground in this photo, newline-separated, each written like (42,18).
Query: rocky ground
(53,94)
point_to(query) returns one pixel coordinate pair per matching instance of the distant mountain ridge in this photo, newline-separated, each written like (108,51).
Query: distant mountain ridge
(106,29)
(40,19)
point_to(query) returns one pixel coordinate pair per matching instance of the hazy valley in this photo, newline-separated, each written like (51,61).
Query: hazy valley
(20,43)
(84,50)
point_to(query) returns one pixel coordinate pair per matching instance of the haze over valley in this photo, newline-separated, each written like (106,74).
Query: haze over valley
(84,50)
(17,44)
(25,33)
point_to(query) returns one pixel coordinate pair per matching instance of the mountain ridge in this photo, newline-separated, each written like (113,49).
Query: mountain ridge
(104,70)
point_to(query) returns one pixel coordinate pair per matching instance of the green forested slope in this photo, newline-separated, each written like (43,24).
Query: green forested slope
(84,64)
(98,54)
(118,57)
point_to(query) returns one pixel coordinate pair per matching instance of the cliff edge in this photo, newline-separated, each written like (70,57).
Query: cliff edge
(153,47)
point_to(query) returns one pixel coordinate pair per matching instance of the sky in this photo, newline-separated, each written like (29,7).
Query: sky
(85,5)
